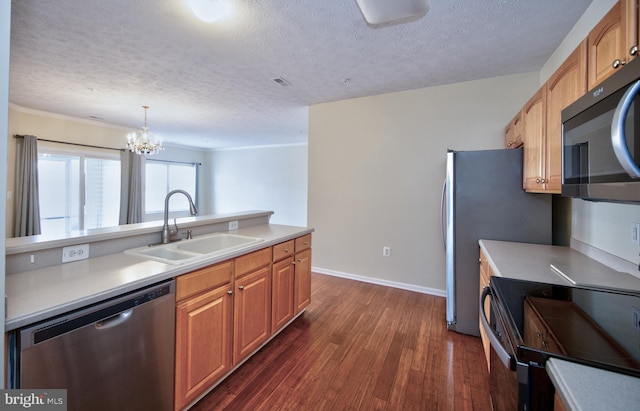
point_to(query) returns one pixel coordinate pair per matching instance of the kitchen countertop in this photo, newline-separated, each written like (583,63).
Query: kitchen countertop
(37,295)
(534,262)
(581,388)
(591,389)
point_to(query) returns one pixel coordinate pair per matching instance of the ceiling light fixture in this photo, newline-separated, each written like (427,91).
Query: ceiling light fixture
(211,10)
(141,142)
(385,11)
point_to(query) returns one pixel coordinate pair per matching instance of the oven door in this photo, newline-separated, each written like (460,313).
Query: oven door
(507,392)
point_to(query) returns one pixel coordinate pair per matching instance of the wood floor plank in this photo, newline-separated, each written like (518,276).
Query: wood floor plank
(361,346)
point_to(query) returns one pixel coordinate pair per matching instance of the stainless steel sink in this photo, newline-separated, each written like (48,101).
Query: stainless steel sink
(187,251)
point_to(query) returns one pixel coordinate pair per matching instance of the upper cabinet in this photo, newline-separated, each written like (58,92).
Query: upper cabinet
(613,41)
(542,131)
(610,45)
(534,132)
(513,132)
(564,87)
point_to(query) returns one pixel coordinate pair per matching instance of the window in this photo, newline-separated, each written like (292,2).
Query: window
(77,190)
(161,177)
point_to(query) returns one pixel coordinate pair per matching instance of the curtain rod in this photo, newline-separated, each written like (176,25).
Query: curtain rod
(174,161)
(73,144)
(106,148)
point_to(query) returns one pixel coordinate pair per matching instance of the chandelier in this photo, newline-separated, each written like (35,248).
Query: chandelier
(141,142)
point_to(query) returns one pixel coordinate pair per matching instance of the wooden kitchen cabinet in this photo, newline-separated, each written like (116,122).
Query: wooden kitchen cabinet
(611,42)
(302,275)
(203,330)
(513,132)
(566,85)
(485,275)
(283,291)
(542,124)
(534,117)
(291,276)
(252,303)
(227,311)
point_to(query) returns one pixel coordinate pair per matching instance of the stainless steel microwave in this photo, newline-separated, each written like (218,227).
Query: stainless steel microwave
(601,140)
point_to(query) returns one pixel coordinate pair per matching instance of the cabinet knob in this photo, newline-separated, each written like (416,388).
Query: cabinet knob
(617,63)
(544,343)
(538,180)
(633,50)
(229,292)
(241,287)
(538,335)
(286,250)
(542,180)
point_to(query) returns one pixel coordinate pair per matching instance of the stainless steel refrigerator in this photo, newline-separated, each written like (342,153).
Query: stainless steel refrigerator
(483,198)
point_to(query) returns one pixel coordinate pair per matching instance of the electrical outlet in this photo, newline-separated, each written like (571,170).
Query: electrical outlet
(386,251)
(233,225)
(635,233)
(75,253)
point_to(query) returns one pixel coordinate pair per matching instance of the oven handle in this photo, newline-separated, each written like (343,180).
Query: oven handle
(618,138)
(504,356)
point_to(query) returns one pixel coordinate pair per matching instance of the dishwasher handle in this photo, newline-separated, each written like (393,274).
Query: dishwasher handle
(114,320)
(105,315)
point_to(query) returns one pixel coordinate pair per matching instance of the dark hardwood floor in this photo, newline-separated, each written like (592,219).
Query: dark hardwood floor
(361,346)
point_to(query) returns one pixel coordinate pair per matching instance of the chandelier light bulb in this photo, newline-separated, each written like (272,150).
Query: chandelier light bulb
(141,142)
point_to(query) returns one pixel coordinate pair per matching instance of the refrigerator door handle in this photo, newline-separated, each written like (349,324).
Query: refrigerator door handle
(443,223)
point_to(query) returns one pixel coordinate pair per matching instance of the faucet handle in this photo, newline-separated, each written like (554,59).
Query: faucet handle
(189,235)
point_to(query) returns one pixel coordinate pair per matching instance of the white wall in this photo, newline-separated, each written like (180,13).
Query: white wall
(262,178)
(376,168)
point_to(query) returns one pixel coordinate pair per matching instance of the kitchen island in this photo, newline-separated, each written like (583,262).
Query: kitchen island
(568,267)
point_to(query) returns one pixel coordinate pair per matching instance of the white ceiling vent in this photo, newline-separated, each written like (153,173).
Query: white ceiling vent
(385,11)
(282,81)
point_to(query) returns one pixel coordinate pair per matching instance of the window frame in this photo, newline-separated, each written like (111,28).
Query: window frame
(62,149)
(156,215)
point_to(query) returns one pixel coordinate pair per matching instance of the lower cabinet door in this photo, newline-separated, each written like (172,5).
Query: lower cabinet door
(252,312)
(302,294)
(282,294)
(203,342)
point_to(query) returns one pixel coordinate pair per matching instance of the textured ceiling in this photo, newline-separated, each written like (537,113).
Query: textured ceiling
(210,85)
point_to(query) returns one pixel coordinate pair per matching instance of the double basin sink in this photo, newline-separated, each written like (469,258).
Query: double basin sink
(188,251)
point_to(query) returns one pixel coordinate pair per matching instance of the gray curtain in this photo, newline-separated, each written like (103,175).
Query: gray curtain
(27,204)
(131,188)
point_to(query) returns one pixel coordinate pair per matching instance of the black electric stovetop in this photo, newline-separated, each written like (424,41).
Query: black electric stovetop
(592,326)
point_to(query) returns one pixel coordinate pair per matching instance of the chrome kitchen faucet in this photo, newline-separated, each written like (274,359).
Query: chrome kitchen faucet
(167,233)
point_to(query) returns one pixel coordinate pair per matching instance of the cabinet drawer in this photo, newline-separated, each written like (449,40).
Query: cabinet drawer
(250,262)
(203,279)
(283,250)
(304,242)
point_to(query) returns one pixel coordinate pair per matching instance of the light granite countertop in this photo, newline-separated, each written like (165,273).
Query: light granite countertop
(37,295)
(591,389)
(580,387)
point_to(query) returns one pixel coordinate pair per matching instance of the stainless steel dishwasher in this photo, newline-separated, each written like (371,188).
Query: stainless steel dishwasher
(116,355)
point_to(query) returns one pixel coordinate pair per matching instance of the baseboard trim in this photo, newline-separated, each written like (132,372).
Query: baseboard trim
(378,281)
